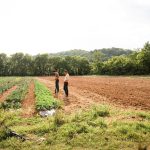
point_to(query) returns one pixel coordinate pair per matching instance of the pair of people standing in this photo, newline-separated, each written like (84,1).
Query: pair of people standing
(66,80)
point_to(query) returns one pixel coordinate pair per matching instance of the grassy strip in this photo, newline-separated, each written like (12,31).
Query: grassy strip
(44,99)
(15,98)
(8,84)
(98,128)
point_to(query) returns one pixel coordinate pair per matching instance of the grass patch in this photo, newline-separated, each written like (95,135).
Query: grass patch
(88,130)
(144,115)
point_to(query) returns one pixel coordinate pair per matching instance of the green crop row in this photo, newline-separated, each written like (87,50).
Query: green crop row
(8,84)
(15,98)
(44,99)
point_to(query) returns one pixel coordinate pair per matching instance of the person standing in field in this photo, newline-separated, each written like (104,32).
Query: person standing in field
(66,80)
(56,82)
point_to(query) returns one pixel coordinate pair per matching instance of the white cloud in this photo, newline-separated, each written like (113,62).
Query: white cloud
(38,26)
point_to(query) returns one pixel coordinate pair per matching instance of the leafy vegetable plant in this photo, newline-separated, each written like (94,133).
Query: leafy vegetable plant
(44,99)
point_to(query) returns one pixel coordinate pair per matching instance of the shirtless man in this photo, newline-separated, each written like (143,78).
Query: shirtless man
(56,83)
(66,79)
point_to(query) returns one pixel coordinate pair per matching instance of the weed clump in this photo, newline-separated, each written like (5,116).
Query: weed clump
(144,115)
(59,119)
(99,111)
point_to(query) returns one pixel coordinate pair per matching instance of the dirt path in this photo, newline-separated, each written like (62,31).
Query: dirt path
(76,100)
(4,95)
(28,104)
(126,92)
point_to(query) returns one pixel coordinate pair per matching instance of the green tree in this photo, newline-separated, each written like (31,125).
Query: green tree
(96,65)
(3,64)
(41,64)
(16,62)
(144,58)
(118,65)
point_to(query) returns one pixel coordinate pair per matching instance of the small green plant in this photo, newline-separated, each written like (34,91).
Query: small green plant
(144,115)
(3,131)
(99,111)
(145,127)
(59,119)
(124,129)
(98,123)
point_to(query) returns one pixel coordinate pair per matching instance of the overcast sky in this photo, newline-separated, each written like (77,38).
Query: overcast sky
(40,26)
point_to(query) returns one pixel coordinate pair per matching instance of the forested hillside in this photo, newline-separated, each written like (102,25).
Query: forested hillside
(106,52)
(78,62)
(74,52)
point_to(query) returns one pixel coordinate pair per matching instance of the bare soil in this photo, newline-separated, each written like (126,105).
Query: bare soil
(28,104)
(88,90)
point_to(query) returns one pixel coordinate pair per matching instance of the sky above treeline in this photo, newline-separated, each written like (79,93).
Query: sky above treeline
(49,26)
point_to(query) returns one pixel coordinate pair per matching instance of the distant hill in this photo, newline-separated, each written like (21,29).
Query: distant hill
(75,52)
(115,51)
(108,52)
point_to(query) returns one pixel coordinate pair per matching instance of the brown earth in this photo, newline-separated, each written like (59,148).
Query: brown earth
(28,104)
(86,91)
(4,95)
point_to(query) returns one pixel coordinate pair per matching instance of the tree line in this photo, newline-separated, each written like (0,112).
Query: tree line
(136,63)
(19,64)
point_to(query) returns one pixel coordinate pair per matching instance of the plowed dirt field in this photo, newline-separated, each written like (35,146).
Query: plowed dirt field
(88,90)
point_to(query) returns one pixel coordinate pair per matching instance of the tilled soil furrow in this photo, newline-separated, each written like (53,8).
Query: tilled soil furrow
(28,104)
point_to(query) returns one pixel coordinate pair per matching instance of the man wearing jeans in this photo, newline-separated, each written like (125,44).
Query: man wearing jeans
(56,83)
(66,79)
